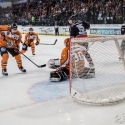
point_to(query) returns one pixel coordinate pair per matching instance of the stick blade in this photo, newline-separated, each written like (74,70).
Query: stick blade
(48,43)
(55,41)
(44,65)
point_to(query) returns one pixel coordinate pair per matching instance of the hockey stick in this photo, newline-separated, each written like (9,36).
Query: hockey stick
(90,45)
(48,43)
(39,66)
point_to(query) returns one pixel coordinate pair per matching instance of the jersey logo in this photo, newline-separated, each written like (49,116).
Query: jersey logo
(9,43)
(81,29)
(15,36)
(32,37)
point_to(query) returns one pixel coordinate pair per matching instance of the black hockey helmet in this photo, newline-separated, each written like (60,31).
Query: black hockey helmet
(31,29)
(73,17)
(14,26)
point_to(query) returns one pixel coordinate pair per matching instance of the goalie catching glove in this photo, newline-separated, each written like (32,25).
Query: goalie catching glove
(54,63)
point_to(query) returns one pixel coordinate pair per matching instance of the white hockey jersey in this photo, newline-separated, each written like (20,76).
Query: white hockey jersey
(77,58)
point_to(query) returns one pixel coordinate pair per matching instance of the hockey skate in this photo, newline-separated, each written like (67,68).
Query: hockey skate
(4,72)
(22,69)
(33,54)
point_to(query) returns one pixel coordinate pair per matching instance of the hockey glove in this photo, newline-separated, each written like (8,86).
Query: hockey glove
(29,45)
(54,63)
(37,43)
(21,42)
(24,46)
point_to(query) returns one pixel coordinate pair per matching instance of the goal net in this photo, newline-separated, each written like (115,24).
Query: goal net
(97,76)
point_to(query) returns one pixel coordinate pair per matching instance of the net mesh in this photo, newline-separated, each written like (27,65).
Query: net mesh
(103,82)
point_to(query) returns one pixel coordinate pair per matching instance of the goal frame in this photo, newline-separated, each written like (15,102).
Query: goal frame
(97,39)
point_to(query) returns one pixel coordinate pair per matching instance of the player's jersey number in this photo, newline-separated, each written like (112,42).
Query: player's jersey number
(78,56)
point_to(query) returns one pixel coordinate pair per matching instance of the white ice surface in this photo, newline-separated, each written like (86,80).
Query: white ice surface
(18,105)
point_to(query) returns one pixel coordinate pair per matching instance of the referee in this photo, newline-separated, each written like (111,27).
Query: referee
(56,27)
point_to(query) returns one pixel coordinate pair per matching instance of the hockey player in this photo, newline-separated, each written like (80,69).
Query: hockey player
(29,41)
(78,30)
(9,45)
(123,42)
(77,63)
(15,33)
(78,68)
(61,65)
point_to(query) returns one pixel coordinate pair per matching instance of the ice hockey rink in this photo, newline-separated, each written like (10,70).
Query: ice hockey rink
(30,99)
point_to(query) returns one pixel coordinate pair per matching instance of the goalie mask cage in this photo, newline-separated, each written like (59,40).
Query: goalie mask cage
(108,84)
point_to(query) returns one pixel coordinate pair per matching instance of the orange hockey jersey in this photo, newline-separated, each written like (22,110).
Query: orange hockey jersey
(65,58)
(4,28)
(8,42)
(17,36)
(31,37)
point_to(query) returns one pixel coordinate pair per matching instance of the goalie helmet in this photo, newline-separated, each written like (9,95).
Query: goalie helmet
(66,41)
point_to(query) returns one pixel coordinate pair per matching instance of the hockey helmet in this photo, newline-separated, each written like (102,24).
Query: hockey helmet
(14,26)
(66,41)
(72,17)
(31,29)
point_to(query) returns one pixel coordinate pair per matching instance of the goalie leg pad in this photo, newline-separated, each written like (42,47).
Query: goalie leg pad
(57,76)
(65,72)
(87,73)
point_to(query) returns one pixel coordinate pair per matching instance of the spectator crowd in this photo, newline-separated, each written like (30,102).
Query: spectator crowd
(46,12)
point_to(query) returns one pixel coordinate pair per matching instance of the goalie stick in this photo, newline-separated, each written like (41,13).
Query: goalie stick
(48,43)
(39,66)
